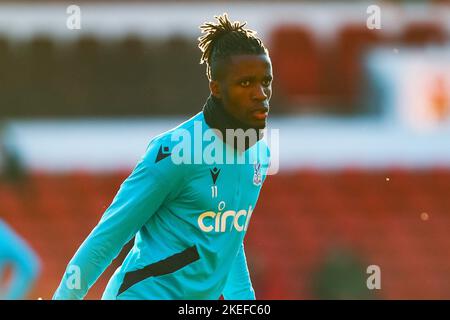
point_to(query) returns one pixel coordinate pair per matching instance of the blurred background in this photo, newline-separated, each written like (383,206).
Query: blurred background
(363,114)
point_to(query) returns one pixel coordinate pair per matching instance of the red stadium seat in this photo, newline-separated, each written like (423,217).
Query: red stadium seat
(346,62)
(420,34)
(295,56)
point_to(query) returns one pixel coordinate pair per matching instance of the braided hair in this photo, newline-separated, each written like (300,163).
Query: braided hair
(224,39)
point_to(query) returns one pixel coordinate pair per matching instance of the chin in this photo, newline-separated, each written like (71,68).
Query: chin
(259,124)
(256,124)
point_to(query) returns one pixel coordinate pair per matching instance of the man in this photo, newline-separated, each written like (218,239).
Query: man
(189,218)
(24,263)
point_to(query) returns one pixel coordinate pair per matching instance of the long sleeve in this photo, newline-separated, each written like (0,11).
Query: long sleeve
(239,285)
(152,181)
(25,264)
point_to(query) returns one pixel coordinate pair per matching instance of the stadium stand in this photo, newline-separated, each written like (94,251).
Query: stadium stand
(85,77)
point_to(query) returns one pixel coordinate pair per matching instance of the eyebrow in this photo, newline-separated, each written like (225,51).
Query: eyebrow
(252,78)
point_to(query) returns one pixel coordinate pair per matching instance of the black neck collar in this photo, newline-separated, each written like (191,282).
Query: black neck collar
(218,118)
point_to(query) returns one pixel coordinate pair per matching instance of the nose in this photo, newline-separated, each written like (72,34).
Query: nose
(260,93)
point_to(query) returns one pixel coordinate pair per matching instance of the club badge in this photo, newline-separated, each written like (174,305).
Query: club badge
(257,174)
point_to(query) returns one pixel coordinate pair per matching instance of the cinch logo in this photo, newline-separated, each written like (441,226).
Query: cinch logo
(219,221)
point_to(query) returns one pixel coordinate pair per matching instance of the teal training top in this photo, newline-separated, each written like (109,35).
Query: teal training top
(25,264)
(188,218)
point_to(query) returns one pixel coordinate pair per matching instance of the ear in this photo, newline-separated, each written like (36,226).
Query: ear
(214,87)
